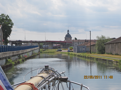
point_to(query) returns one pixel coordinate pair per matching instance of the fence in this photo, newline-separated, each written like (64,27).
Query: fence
(15,48)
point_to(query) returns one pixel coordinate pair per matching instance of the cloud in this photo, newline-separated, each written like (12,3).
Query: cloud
(108,31)
(22,34)
(54,16)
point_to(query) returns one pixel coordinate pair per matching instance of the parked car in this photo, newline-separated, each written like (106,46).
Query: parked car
(70,50)
(59,50)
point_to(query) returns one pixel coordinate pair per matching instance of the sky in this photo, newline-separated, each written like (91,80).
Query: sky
(50,19)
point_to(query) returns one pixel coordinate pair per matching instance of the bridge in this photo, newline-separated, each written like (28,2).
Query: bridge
(46,42)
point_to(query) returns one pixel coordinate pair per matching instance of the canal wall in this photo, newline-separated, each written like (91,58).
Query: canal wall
(15,55)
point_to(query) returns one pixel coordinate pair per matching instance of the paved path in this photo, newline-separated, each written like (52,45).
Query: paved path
(64,51)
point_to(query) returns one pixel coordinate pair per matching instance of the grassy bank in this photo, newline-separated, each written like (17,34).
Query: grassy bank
(105,59)
(101,56)
(48,50)
(116,59)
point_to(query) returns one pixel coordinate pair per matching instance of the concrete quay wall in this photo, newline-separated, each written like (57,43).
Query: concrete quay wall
(14,55)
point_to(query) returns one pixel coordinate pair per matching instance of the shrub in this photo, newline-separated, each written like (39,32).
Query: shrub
(9,61)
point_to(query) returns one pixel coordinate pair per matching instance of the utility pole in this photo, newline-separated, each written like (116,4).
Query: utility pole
(90,53)
(90,41)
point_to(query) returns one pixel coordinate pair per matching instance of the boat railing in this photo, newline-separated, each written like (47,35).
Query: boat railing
(54,80)
(81,85)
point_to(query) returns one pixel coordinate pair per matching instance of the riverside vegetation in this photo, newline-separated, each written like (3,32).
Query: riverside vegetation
(103,58)
(116,59)
(10,62)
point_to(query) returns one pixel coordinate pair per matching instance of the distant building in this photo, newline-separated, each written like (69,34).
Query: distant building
(113,46)
(82,45)
(68,36)
(93,48)
(1,35)
(27,44)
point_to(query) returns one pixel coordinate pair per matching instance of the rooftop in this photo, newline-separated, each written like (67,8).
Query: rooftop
(114,41)
(88,43)
(84,40)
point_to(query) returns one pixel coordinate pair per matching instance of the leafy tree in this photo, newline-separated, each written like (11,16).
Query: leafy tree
(71,47)
(100,44)
(7,25)
(75,38)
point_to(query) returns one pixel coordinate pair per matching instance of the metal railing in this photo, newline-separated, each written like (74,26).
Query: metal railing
(53,80)
(4,48)
(81,85)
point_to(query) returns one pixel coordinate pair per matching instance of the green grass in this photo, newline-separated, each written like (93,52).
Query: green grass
(48,50)
(102,56)
(107,56)
(94,55)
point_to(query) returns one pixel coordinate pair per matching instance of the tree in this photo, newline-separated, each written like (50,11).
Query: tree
(100,44)
(7,25)
(75,38)
(71,47)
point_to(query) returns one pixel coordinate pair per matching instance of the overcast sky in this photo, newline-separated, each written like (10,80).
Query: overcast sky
(50,19)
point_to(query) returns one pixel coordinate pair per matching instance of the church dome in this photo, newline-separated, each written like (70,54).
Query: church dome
(68,36)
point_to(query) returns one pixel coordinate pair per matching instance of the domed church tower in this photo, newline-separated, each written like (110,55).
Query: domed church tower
(68,36)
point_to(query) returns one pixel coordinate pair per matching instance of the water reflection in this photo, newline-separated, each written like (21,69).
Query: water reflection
(13,73)
(74,67)
(101,68)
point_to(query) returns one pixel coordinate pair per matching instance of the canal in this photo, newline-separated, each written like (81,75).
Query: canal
(95,75)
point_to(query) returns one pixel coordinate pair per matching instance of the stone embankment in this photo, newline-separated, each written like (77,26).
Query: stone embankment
(10,58)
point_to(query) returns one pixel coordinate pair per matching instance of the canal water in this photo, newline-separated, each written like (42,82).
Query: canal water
(95,75)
